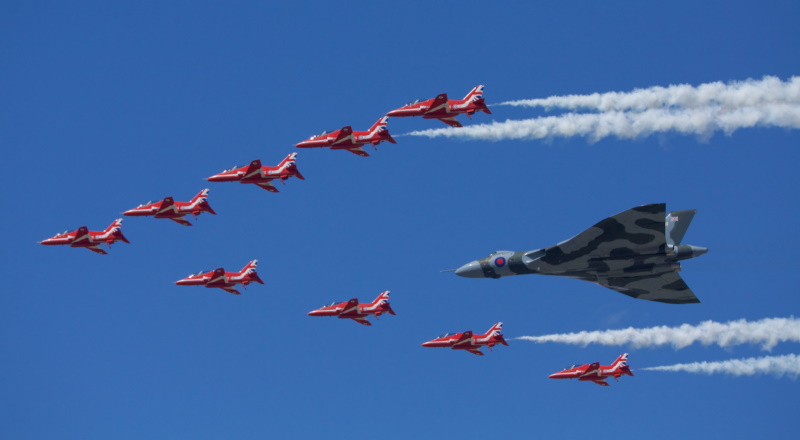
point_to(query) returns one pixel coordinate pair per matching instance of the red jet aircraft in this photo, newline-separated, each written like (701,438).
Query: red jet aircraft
(261,176)
(83,237)
(595,372)
(175,211)
(468,341)
(223,280)
(356,311)
(352,141)
(442,109)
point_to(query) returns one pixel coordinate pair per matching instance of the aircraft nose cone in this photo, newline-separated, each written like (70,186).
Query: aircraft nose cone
(427,344)
(470,270)
(181,282)
(697,251)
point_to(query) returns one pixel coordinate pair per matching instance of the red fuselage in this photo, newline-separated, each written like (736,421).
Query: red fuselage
(363,310)
(468,341)
(82,237)
(595,372)
(357,311)
(260,175)
(267,174)
(223,280)
(170,209)
(453,109)
(357,139)
(444,109)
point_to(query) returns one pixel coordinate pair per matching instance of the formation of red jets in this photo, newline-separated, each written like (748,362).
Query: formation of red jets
(346,138)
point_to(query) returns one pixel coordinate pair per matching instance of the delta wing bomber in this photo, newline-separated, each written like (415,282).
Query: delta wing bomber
(636,252)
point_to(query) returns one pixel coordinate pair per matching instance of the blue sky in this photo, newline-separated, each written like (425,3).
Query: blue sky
(107,106)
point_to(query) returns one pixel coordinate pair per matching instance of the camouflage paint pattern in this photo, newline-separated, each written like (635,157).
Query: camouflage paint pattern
(635,252)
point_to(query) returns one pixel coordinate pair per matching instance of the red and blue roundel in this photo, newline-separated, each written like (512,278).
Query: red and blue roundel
(499,261)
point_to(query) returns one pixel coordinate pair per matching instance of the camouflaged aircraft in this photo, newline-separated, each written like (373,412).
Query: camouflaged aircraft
(635,252)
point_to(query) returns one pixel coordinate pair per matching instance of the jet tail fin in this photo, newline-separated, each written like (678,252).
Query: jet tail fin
(383,302)
(290,158)
(476,97)
(114,230)
(379,132)
(495,334)
(379,123)
(620,366)
(115,224)
(476,91)
(677,223)
(623,358)
(495,330)
(290,164)
(249,270)
(200,195)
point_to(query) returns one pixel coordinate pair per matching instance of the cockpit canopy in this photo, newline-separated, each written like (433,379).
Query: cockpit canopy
(198,273)
(149,202)
(232,168)
(443,336)
(412,103)
(331,304)
(496,253)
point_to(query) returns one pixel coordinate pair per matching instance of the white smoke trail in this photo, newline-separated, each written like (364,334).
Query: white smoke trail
(702,121)
(768,332)
(738,94)
(774,365)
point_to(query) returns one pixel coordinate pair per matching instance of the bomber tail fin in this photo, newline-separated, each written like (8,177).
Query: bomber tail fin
(677,223)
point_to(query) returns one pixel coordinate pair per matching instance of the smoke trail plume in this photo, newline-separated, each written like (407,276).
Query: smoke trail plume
(703,121)
(768,332)
(775,365)
(738,94)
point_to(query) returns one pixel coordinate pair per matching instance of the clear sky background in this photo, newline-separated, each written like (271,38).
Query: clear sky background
(105,106)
